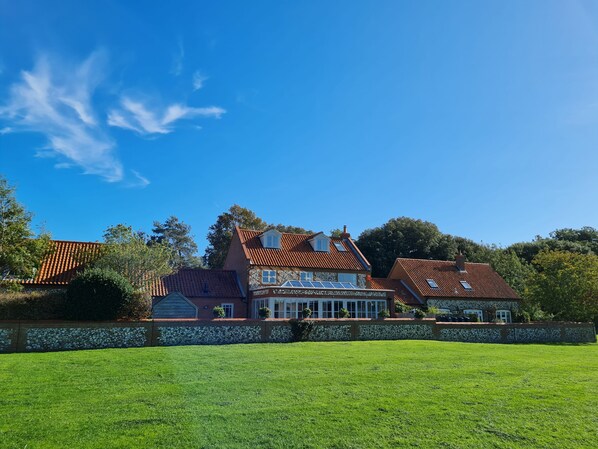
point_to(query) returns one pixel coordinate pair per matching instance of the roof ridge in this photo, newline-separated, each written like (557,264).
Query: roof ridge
(76,241)
(439,260)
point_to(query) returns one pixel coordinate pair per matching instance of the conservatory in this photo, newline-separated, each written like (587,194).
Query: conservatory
(324,299)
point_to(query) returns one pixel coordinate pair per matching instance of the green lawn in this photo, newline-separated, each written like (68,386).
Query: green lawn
(303,395)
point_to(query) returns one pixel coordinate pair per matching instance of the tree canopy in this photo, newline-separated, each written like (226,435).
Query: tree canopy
(177,235)
(21,252)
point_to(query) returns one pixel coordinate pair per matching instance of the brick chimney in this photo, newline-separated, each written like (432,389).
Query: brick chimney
(460,262)
(345,234)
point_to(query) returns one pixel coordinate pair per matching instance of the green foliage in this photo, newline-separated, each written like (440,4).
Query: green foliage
(473,317)
(218,312)
(127,253)
(384,313)
(264,312)
(44,305)
(20,253)
(523,316)
(565,285)
(433,310)
(401,308)
(139,307)
(176,235)
(221,233)
(306,313)
(300,329)
(343,313)
(403,237)
(419,314)
(98,294)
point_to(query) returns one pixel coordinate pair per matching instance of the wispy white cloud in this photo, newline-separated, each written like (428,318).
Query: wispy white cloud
(177,59)
(140,180)
(54,99)
(198,80)
(136,116)
(5,130)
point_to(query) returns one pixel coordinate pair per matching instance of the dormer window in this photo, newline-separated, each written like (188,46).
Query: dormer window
(320,242)
(271,239)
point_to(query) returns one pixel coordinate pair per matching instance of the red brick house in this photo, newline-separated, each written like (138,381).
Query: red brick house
(188,293)
(289,272)
(454,287)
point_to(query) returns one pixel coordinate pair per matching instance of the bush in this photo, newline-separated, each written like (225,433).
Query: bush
(306,313)
(10,286)
(264,312)
(343,313)
(523,317)
(218,312)
(473,317)
(44,305)
(419,314)
(98,294)
(139,307)
(384,314)
(301,329)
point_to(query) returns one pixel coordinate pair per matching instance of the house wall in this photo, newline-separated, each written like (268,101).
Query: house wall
(69,335)
(174,305)
(206,305)
(237,260)
(294,274)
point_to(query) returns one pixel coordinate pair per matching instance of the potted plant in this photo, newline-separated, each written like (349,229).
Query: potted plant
(306,313)
(419,314)
(384,313)
(264,312)
(343,313)
(218,312)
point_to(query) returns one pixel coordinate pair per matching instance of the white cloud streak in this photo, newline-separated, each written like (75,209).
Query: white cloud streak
(137,116)
(55,100)
(198,80)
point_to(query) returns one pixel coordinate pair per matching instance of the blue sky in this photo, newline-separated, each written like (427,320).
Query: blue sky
(481,117)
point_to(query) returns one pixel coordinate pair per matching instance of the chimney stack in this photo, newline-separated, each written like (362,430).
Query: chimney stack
(460,261)
(345,234)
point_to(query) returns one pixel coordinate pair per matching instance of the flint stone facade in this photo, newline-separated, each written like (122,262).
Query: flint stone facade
(458,305)
(290,274)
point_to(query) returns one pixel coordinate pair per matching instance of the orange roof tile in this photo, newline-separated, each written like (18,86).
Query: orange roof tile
(485,282)
(198,283)
(64,263)
(296,251)
(402,293)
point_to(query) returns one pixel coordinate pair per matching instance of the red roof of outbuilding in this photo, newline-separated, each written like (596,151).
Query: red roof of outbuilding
(64,263)
(296,251)
(198,283)
(402,293)
(485,282)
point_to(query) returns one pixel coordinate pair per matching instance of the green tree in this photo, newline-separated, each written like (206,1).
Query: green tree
(21,252)
(404,237)
(566,285)
(515,271)
(177,235)
(128,253)
(220,233)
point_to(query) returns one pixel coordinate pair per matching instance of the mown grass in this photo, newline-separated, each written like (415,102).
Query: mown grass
(303,395)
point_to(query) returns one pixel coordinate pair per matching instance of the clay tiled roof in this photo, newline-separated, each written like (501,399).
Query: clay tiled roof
(64,263)
(198,283)
(485,282)
(402,293)
(296,251)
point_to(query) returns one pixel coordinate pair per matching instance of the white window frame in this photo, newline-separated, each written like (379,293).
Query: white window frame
(268,276)
(322,245)
(504,315)
(226,307)
(353,279)
(477,312)
(306,276)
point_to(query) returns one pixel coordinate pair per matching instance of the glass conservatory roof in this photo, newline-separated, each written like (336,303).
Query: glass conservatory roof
(319,284)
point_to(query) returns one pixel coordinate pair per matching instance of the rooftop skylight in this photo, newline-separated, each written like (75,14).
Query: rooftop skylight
(466,285)
(339,246)
(319,284)
(432,283)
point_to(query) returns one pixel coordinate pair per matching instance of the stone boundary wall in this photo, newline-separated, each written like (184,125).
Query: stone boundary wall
(39,336)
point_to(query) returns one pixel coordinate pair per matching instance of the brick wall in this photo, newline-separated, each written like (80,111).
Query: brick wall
(57,336)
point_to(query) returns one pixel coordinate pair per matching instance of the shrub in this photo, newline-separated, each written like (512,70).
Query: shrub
(473,317)
(523,317)
(343,313)
(433,310)
(301,330)
(264,312)
(401,308)
(44,305)
(498,321)
(306,313)
(10,287)
(218,312)
(139,307)
(419,314)
(384,313)
(98,294)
